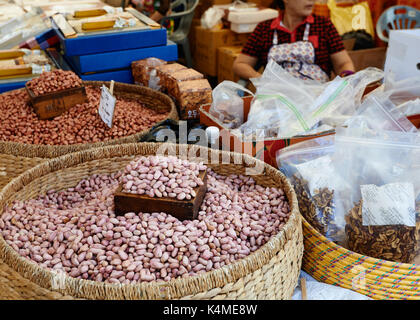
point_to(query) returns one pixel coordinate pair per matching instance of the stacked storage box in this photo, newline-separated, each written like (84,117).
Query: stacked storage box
(108,56)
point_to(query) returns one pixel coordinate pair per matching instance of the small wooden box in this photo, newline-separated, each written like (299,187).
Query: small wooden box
(53,104)
(181,209)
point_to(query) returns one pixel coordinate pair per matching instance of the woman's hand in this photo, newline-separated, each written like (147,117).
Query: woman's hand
(341,61)
(244,67)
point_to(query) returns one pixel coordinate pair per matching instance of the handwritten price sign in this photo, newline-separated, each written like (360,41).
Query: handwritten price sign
(107,105)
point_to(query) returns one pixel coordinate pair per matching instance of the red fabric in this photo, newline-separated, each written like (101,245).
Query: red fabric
(322,34)
(411,3)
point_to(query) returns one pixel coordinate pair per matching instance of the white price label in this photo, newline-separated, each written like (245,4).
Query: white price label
(318,172)
(390,204)
(107,106)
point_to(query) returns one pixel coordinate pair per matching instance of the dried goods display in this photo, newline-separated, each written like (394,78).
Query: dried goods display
(160,176)
(389,242)
(144,70)
(317,209)
(162,72)
(192,95)
(174,78)
(54,81)
(76,231)
(81,124)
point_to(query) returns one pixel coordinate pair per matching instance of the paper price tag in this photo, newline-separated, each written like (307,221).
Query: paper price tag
(318,172)
(390,204)
(107,106)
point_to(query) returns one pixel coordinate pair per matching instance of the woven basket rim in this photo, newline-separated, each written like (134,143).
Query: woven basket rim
(52,151)
(358,256)
(176,288)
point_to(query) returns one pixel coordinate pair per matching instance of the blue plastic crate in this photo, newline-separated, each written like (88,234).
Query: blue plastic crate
(117,75)
(8,86)
(121,59)
(108,42)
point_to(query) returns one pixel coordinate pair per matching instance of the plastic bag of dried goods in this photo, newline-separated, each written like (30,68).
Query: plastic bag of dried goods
(285,106)
(310,165)
(310,168)
(227,105)
(383,187)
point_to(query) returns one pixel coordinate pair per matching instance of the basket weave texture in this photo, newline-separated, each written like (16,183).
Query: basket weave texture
(150,98)
(379,279)
(271,272)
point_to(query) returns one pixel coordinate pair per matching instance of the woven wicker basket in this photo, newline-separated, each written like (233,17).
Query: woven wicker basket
(150,98)
(271,272)
(379,279)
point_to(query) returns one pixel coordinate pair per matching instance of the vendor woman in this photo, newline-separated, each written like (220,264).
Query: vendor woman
(306,45)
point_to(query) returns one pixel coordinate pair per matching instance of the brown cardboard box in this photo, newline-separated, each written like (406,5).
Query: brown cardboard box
(368,58)
(225,58)
(207,41)
(191,35)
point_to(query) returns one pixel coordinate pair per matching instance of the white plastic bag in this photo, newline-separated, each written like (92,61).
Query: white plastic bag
(227,105)
(212,17)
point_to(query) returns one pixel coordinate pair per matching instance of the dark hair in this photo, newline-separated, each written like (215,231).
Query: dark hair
(277,4)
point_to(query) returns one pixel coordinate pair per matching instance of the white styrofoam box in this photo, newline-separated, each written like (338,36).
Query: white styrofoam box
(250,17)
(243,27)
(403,57)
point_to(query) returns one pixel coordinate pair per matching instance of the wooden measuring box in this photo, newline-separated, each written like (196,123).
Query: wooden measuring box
(181,209)
(53,104)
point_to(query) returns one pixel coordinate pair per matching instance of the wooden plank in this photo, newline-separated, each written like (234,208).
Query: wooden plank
(54,104)
(89,13)
(143,18)
(181,209)
(16,70)
(64,26)
(11,54)
(303,288)
(98,25)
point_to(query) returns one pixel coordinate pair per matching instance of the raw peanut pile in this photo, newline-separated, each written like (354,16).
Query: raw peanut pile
(81,124)
(76,231)
(53,81)
(158,176)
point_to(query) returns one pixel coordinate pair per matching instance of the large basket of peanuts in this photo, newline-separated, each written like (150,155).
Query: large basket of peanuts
(61,237)
(137,110)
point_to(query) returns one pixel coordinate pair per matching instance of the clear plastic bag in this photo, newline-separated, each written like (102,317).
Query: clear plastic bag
(309,167)
(379,114)
(383,189)
(144,72)
(285,106)
(400,92)
(227,105)
(409,108)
